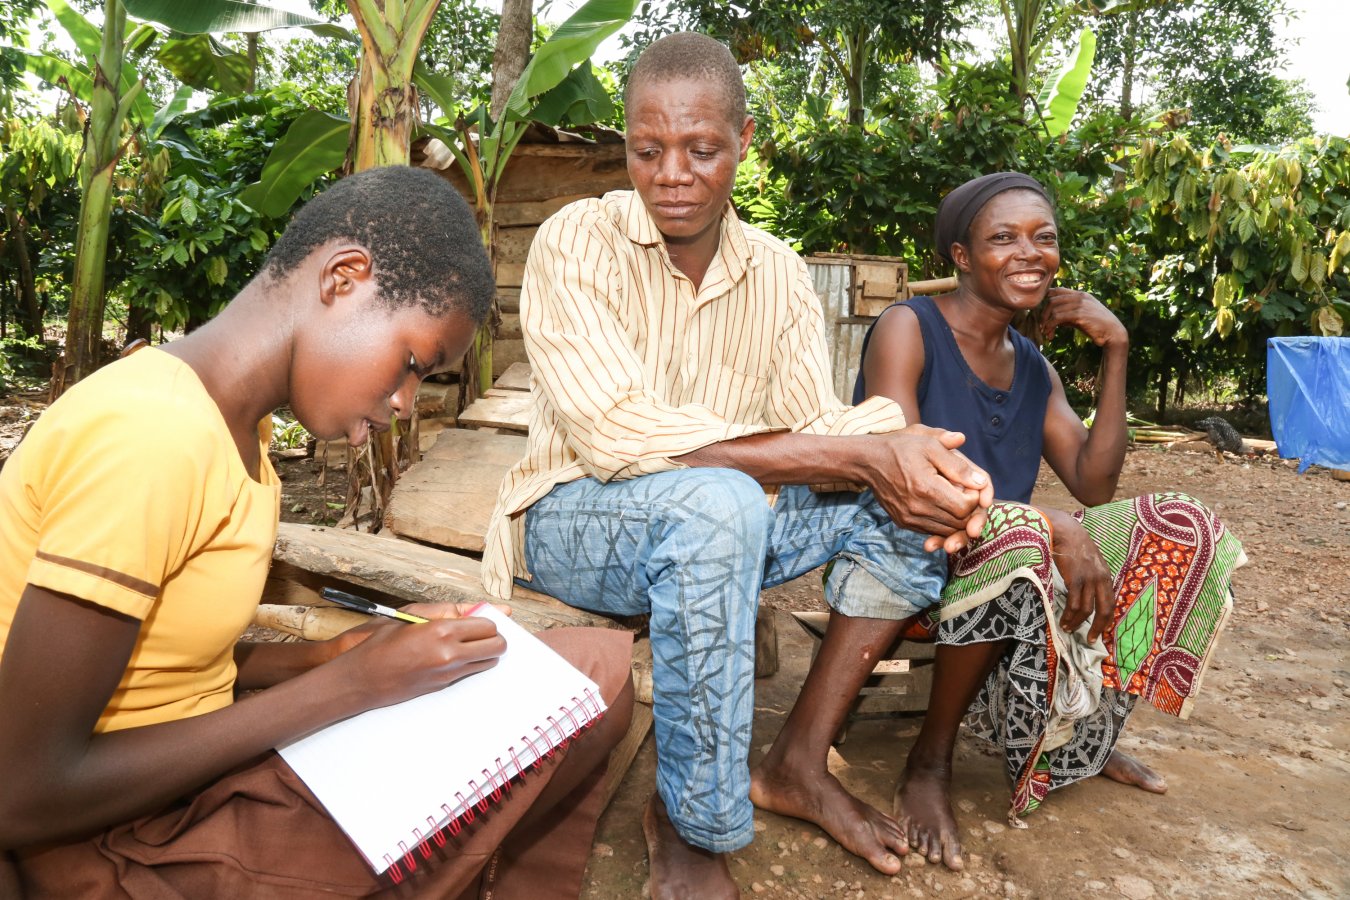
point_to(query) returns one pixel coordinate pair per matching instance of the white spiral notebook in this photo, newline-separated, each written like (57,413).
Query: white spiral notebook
(453,750)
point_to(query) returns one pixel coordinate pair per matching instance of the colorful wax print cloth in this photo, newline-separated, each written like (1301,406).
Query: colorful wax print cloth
(1056,704)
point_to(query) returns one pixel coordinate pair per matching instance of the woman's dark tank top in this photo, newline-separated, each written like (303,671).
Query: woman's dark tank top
(1003,429)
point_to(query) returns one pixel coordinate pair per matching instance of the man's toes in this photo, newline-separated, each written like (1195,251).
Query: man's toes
(951,855)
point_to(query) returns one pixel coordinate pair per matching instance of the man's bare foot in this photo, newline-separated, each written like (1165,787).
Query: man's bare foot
(680,871)
(1127,770)
(820,799)
(923,807)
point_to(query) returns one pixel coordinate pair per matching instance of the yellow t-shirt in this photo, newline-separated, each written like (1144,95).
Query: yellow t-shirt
(129,493)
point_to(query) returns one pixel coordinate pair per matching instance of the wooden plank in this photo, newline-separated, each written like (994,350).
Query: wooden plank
(508,299)
(412,573)
(510,274)
(505,354)
(931,286)
(516,378)
(435,399)
(532,212)
(448,497)
(511,413)
(766,642)
(513,244)
(509,328)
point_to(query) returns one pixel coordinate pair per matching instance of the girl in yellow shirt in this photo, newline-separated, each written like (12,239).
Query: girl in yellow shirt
(136,528)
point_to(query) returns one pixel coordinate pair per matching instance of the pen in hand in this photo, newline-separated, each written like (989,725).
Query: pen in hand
(370,607)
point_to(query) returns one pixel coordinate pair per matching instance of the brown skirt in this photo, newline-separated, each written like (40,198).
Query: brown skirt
(260,832)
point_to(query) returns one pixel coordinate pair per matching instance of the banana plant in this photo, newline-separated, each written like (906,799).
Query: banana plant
(112,89)
(556,83)
(1032,27)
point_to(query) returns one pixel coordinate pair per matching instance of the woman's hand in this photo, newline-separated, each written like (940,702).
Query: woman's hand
(1085,574)
(1084,312)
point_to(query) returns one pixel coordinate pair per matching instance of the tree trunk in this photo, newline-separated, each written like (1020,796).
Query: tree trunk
(512,51)
(251,43)
(1127,70)
(29,315)
(509,58)
(1163,380)
(384,112)
(855,46)
(84,327)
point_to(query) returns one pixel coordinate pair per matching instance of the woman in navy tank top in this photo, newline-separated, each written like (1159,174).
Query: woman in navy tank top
(955,362)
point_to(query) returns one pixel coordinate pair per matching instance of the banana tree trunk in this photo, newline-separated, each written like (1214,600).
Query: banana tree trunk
(475,374)
(84,326)
(383,112)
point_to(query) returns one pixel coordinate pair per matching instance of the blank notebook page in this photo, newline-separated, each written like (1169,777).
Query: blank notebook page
(391,777)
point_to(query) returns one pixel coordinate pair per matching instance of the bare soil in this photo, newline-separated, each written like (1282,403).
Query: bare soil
(1259,777)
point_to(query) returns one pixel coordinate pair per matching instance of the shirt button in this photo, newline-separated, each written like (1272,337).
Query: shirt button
(996,421)
(999,398)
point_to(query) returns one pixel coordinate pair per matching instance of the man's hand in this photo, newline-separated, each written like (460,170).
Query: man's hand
(1085,575)
(927,486)
(1084,312)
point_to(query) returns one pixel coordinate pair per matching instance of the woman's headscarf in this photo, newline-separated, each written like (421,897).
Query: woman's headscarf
(959,208)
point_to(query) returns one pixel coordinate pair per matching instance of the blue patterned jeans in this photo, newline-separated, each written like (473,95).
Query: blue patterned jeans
(693,547)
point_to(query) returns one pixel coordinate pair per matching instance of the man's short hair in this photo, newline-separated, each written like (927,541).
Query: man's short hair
(693,56)
(423,241)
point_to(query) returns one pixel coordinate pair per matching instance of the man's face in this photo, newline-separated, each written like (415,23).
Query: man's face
(683,150)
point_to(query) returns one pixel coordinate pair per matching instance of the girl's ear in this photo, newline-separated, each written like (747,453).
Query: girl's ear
(343,272)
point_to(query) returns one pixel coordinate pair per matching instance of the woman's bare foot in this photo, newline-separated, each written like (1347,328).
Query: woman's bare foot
(1127,770)
(923,807)
(680,871)
(819,798)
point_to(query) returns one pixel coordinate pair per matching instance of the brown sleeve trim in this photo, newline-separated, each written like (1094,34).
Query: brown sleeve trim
(144,588)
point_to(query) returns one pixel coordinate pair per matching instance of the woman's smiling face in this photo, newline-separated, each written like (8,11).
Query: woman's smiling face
(1012,251)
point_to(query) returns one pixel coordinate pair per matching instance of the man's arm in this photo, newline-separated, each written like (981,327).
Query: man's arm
(915,474)
(916,477)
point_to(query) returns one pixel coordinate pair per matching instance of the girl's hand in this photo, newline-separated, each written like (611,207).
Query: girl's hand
(1084,312)
(1086,576)
(387,662)
(340,644)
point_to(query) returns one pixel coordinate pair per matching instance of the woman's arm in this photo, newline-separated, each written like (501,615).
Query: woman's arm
(1088,461)
(65,657)
(894,360)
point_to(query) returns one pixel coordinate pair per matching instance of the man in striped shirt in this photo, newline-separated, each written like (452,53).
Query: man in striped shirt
(680,374)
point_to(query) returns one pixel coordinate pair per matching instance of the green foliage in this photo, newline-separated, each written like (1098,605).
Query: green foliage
(839,184)
(288,434)
(187,241)
(1220,60)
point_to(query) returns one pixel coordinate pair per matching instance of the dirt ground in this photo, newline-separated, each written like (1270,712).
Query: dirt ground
(1259,777)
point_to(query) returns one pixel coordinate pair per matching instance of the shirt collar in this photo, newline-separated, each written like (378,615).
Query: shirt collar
(732,246)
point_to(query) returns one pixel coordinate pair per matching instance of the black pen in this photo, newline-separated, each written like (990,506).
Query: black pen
(370,607)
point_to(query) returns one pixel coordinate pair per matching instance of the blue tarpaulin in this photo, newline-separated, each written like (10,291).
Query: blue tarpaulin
(1308,385)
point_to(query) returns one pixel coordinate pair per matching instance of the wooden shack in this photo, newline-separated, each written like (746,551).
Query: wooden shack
(548,170)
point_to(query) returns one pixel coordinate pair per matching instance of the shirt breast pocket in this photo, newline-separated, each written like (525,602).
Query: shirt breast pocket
(739,396)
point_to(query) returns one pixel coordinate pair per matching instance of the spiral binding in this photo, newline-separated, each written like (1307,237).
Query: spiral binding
(496,784)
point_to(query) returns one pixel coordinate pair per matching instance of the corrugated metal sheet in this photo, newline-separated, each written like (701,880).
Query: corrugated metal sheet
(843,334)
